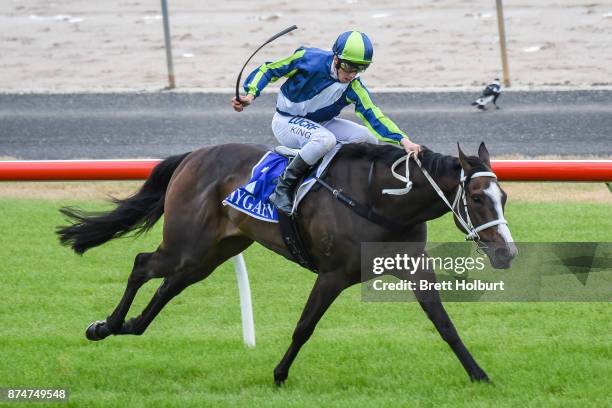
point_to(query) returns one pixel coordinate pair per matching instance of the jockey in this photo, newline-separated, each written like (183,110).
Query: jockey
(319,85)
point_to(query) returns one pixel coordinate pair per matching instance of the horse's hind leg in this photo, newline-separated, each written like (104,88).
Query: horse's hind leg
(432,305)
(174,284)
(170,287)
(178,272)
(144,269)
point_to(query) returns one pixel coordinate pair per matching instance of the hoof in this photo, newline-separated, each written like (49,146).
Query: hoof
(480,377)
(279,378)
(98,330)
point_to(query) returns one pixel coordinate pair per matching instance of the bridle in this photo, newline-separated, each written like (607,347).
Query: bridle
(460,196)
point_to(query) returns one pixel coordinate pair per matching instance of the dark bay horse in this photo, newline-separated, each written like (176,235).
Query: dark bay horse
(199,233)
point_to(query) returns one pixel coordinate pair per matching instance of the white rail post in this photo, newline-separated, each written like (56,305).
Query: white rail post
(246,307)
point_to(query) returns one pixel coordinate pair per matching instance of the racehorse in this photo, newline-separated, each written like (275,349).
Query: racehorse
(199,233)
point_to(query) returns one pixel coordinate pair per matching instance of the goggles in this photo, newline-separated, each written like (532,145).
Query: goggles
(351,67)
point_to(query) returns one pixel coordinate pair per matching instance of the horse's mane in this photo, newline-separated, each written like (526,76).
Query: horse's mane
(436,164)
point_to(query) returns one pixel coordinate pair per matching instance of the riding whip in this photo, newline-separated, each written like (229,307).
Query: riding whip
(274,37)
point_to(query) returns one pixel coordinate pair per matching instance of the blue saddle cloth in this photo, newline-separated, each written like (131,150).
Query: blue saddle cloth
(252,198)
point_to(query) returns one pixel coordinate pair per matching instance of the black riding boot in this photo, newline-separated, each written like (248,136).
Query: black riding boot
(282,197)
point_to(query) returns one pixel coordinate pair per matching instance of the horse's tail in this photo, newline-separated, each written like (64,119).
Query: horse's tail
(138,212)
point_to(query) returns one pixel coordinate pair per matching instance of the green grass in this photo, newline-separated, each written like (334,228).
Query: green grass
(362,354)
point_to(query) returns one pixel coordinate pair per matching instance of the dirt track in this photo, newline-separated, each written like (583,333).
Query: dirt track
(79,45)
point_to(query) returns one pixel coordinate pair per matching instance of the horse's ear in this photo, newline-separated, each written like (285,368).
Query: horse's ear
(483,154)
(463,159)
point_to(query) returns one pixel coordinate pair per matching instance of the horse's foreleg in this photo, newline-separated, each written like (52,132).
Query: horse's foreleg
(432,305)
(326,289)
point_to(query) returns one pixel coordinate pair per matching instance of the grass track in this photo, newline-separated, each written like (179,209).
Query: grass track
(362,354)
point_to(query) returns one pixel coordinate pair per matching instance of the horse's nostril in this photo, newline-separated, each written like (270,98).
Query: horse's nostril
(502,253)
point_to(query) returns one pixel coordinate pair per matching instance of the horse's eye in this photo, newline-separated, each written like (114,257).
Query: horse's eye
(477,199)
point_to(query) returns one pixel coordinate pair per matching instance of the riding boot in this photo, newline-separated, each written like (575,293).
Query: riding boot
(282,197)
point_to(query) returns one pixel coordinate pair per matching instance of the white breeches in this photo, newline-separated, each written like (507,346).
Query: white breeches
(315,139)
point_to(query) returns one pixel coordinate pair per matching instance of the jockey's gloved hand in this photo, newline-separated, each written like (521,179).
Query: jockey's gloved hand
(410,147)
(245,100)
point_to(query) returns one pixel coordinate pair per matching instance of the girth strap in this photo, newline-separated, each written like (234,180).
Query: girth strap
(294,242)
